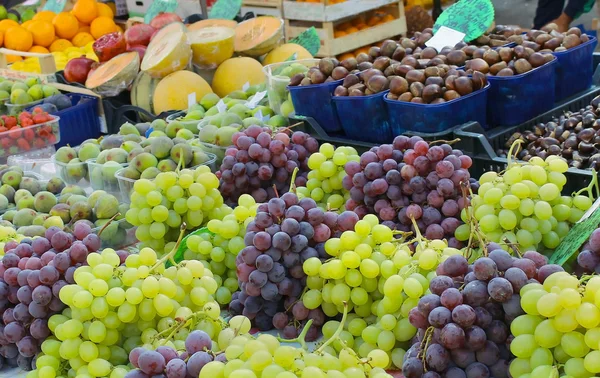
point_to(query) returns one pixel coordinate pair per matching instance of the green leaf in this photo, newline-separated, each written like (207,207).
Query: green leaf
(472,17)
(55,6)
(159,6)
(309,39)
(183,245)
(225,9)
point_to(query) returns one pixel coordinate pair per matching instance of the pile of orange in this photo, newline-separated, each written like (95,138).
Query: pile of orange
(49,32)
(359,23)
(353,54)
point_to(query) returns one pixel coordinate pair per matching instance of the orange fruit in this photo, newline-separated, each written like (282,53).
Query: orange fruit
(18,38)
(85,10)
(43,32)
(66,25)
(101,26)
(13,58)
(104,10)
(27,23)
(44,15)
(60,45)
(81,39)
(345,56)
(39,49)
(351,30)
(1,38)
(339,33)
(84,29)
(388,18)
(119,28)
(7,24)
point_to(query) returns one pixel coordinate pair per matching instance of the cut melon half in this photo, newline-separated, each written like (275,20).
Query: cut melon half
(212,22)
(169,51)
(116,75)
(211,46)
(257,36)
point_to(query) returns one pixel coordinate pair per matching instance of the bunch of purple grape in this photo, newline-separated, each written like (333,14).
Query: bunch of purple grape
(464,324)
(285,232)
(410,178)
(261,163)
(588,260)
(166,362)
(32,273)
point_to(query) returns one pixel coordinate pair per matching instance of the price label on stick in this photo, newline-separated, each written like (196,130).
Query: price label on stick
(309,39)
(256,99)
(472,17)
(225,9)
(159,6)
(191,99)
(445,37)
(578,235)
(221,106)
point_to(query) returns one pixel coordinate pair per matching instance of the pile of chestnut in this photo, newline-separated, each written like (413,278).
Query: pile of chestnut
(328,70)
(549,39)
(507,61)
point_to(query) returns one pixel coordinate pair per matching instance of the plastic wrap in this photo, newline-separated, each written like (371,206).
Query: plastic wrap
(20,140)
(114,76)
(73,172)
(102,176)
(169,51)
(278,78)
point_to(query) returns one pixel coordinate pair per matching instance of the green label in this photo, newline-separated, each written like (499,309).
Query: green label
(309,39)
(225,9)
(472,17)
(183,246)
(577,236)
(158,6)
(55,6)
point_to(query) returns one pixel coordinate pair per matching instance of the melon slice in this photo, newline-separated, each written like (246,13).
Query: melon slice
(142,91)
(169,51)
(211,46)
(172,91)
(257,36)
(114,76)
(212,22)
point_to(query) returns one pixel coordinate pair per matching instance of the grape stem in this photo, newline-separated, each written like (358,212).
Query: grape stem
(450,142)
(589,189)
(169,256)
(425,344)
(509,156)
(512,246)
(107,223)
(338,331)
(293,181)
(301,337)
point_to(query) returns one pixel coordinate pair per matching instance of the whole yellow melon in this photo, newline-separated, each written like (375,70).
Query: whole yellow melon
(233,73)
(284,52)
(172,92)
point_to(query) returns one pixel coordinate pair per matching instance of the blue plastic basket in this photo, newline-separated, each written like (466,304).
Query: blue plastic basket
(364,118)
(515,99)
(80,121)
(316,101)
(574,69)
(435,118)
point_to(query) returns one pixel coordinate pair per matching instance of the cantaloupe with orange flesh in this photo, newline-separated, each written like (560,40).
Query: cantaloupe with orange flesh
(169,51)
(172,92)
(233,73)
(211,46)
(257,36)
(114,76)
(285,52)
(211,22)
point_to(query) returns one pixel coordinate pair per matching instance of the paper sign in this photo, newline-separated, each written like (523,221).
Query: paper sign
(246,86)
(221,106)
(259,115)
(55,6)
(445,37)
(225,9)
(255,100)
(191,99)
(158,6)
(472,17)
(577,236)
(309,39)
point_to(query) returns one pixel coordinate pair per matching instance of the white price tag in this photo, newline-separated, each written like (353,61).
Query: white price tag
(445,37)
(221,106)
(246,86)
(260,116)
(254,100)
(191,99)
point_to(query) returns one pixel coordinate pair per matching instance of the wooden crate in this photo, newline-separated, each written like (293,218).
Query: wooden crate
(47,66)
(263,7)
(331,46)
(323,11)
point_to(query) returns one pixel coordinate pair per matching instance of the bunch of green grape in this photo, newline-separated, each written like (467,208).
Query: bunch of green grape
(160,206)
(325,179)
(380,278)
(560,327)
(114,308)
(218,245)
(525,205)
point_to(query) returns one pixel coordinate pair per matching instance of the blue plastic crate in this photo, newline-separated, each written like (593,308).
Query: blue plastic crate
(435,118)
(80,121)
(316,101)
(574,69)
(364,118)
(515,99)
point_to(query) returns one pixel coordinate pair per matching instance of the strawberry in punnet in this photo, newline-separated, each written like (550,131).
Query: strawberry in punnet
(3,129)
(15,132)
(5,142)
(27,122)
(39,143)
(28,134)
(41,118)
(23,144)
(10,122)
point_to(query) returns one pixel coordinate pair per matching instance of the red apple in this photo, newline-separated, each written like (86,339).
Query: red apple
(141,50)
(77,70)
(139,35)
(163,19)
(109,45)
